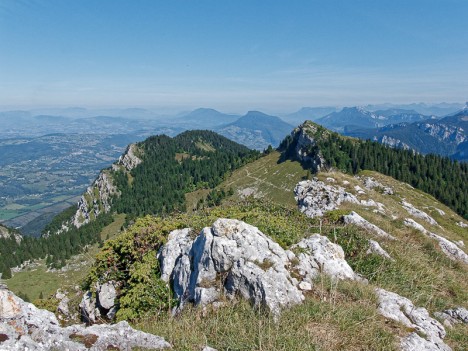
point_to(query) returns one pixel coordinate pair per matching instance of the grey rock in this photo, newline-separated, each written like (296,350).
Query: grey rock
(453,316)
(233,258)
(402,310)
(317,254)
(207,348)
(354,218)
(375,248)
(370,183)
(107,295)
(130,159)
(89,313)
(315,198)
(178,244)
(418,213)
(29,328)
(450,249)
(413,342)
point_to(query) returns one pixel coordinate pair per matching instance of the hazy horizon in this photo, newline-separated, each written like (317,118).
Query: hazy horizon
(232,56)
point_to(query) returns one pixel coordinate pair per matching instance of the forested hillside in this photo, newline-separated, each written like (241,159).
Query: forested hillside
(170,168)
(445,179)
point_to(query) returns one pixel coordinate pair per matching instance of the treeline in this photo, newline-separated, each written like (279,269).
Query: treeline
(443,178)
(172,167)
(55,248)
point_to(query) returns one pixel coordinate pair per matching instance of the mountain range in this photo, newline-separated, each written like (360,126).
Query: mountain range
(329,234)
(446,136)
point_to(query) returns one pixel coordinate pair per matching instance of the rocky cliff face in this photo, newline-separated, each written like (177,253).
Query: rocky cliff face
(98,197)
(444,132)
(6,233)
(306,150)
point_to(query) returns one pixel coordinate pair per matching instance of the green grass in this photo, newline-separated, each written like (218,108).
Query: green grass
(270,179)
(337,317)
(35,280)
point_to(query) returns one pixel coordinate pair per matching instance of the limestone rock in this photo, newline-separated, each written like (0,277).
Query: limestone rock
(233,258)
(89,312)
(129,159)
(317,254)
(7,233)
(97,199)
(413,342)
(402,310)
(107,295)
(314,197)
(462,224)
(354,218)
(178,243)
(375,248)
(305,143)
(450,249)
(418,213)
(453,316)
(25,327)
(104,305)
(370,183)
(62,307)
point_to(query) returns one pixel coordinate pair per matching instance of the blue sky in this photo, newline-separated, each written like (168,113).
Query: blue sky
(232,55)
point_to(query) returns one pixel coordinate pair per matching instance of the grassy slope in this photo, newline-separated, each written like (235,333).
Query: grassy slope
(421,271)
(36,279)
(337,316)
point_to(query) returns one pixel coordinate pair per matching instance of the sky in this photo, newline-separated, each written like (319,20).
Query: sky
(233,55)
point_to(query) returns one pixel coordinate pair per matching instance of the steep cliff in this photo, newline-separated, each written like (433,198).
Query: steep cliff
(98,197)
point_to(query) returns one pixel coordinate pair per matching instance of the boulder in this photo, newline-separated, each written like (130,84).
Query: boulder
(317,254)
(25,327)
(315,198)
(375,248)
(106,295)
(402,310)
(453,316)
(233,258)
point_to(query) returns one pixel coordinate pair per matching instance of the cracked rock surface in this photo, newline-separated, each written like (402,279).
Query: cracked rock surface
(232,258)
(25,327)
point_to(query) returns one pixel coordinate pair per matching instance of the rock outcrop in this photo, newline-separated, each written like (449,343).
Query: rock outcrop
(100,306)
(450,249)
(418,213)
(453,316)
(306,150)
(130,159)
(376,249)
(97,199)
(370,183)
(402,310)
(7,233)
(316,254)
(25,327)
(354,218)
(314,197)
(233,258)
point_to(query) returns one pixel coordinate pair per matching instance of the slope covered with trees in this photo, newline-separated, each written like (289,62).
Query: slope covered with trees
(170,168)
(443,178)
